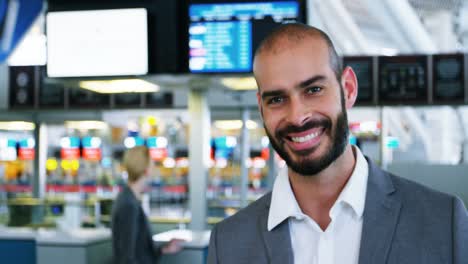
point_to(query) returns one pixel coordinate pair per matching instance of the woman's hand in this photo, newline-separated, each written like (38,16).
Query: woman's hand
(174,246)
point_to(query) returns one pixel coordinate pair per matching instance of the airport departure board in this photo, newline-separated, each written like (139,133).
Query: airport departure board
(223,36)
(159,100)
(127,100)
(363,66)
(81,98)
(52,95)
(403,80)
(449,78)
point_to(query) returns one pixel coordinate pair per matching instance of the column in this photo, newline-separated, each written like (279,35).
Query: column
(199,156)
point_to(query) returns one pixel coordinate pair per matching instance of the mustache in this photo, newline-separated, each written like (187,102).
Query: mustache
(283,132)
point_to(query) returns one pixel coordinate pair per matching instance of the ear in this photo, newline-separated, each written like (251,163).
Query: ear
(349,83)
(147,171)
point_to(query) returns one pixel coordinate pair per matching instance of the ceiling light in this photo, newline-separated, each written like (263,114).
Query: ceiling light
(120,86)
(234,124)
(17,126)
(83,125)
(388,51)
(241,83)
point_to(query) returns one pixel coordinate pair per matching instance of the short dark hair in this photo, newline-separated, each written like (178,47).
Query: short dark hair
(295,32)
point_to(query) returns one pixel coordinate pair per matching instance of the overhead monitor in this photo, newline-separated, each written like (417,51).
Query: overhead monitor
(403,80)
(363,66)
(223,36)
(86,99)
(97,43)
(124,100)
(448,78)
(52,95)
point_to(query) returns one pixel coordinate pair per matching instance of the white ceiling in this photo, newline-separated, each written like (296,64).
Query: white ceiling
(393,26)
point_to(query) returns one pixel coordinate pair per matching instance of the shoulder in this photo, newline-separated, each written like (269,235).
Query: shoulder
(237,238)
(125,204)
(423,205)
(416,192)
(410,193)
(248,217)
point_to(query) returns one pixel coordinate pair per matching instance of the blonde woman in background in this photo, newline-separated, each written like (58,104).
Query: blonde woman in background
(131,232)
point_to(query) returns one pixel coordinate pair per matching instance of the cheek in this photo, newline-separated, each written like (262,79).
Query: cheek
(271,122)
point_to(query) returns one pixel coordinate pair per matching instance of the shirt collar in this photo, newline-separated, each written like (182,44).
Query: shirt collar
(354,192)
(284,204)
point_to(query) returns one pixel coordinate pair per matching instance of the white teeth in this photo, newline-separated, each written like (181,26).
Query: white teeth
(305,138)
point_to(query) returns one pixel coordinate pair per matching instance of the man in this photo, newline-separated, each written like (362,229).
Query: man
(131,235)
(330,205)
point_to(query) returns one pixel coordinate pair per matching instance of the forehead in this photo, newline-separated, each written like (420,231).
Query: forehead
(290,63)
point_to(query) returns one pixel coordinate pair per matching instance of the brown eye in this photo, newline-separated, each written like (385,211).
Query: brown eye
(314,89)
(275,100)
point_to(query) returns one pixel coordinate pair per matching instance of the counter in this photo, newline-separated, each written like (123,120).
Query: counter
(77,246)
(17,245)
(195,247)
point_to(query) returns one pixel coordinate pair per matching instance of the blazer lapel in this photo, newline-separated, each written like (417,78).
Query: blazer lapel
(277,241)
(381,212)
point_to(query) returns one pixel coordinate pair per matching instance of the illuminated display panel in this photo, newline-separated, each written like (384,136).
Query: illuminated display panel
(403,80)
(223,36)
(448,78)
(97,43)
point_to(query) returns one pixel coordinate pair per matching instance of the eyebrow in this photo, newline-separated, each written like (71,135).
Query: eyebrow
(302,84)
(312,80)
(271,94)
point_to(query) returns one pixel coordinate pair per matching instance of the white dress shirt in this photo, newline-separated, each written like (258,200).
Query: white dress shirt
(340,242)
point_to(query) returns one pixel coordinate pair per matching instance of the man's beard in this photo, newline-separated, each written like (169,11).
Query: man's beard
(309,167)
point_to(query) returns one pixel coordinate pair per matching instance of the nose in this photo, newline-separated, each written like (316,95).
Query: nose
(298,112)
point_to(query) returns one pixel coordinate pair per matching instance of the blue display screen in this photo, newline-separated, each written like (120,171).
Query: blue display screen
(224,36)
(27,143)
(91,142)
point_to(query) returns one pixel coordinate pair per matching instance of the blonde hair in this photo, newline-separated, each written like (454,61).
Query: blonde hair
(136,161)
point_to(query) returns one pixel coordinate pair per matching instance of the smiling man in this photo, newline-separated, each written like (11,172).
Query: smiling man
(331,204)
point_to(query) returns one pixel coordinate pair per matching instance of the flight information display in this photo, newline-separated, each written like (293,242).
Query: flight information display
(127,100)
(403,80)
(448,78)
(364,68)
(52,95)
(224,36)
(81,98)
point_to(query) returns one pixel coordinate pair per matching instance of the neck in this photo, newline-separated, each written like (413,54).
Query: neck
(316,194)
(136,187)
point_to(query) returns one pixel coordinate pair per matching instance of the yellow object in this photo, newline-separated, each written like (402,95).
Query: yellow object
(72,165)
(65,164)
(11,171)
(152,120)
(75,165)
(51,164)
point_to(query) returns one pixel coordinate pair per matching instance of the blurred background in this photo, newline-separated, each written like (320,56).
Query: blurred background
(82,81)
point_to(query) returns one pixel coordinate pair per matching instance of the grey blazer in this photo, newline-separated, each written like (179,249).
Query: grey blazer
(131,233)
(404,222)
